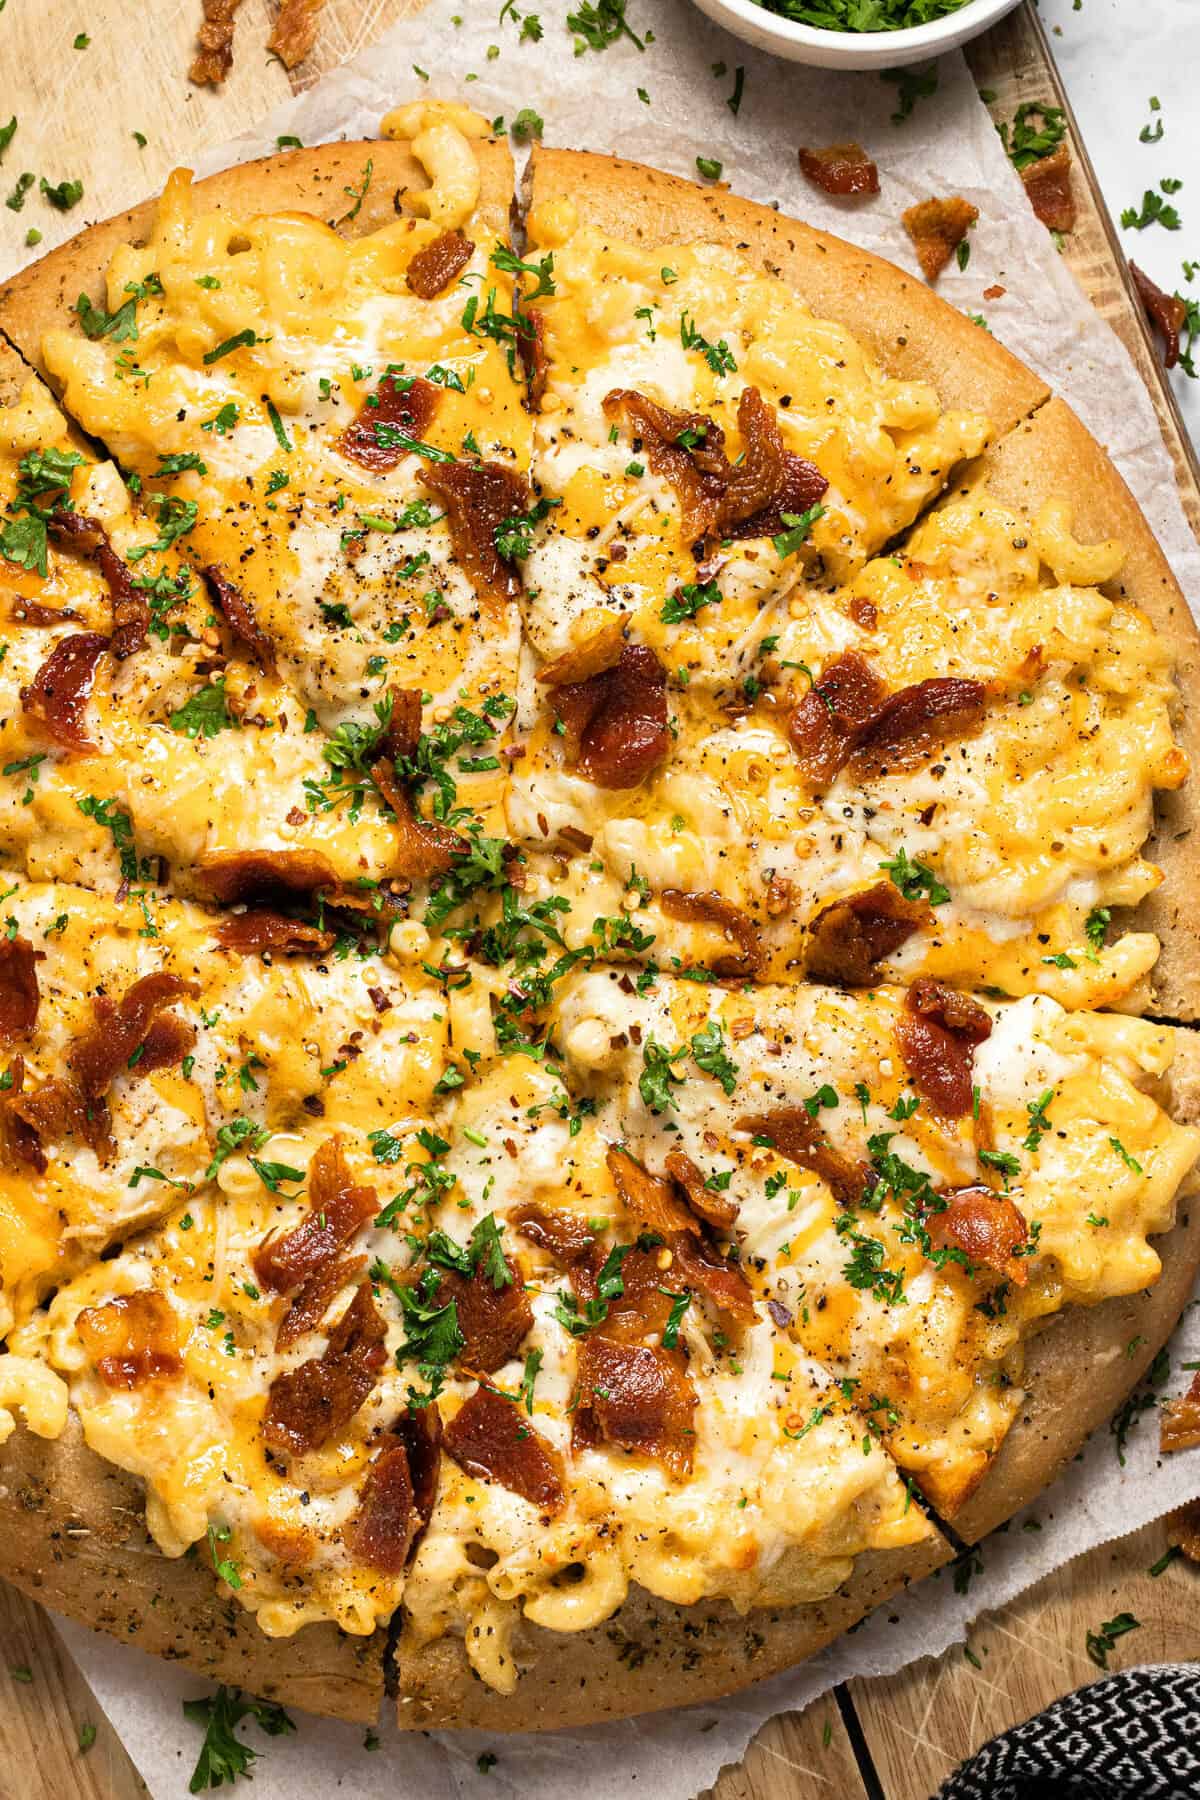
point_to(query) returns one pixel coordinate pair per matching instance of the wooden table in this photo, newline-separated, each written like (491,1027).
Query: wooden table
(893,1739)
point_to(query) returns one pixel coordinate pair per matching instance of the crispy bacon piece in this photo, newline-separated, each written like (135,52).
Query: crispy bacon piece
(398,405)
(713,1208)
(848,939)
(214,58)
(849,719)
(337,1208)
(42,618)
(265,874)
(54,1111)
(937,228)
(712,909)
(840,169)
(403,734)
(598,649)
(492,1439)
(250,933)
(937,1033)
(479,498)
(1167,313)
(656,1205)
(306,1405)
(311,1302)
(121,1030)
(131,1340)
(57,697)
(295,30)
(397,1496)
(827,721)
(616,722)
(1179,1421)
(239,615)
(1183,1525)
(1048,184)
(566,1236)
(743,499)
(493,1320)
(988,1227)
(438,264)
(21,1143)
(166,1043)
(423,847)
(130,607)
(19,993)
(531,348)
(637,1396)
(795,1134)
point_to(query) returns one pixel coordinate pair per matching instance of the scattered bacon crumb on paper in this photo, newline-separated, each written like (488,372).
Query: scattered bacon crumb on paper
(995,292)
(1179,1421)
(1183,1529)
(214,59)
(1167,313)
(937,228)
(1048,184)
(840,169)
(295,31)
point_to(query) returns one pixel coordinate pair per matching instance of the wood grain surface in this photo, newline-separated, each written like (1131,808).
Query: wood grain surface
(899,1737)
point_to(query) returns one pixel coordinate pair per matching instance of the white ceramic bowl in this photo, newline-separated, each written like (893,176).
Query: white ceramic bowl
(853,49)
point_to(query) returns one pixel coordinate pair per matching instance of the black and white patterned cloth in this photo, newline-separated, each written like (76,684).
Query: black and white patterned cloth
(1133,1736)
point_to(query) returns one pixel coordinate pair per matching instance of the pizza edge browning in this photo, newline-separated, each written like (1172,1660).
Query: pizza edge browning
(648,1656)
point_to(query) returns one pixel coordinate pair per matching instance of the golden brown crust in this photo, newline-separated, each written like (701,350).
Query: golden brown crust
(913,334)
(649,1656)
(1079,1369)
(1054,456)
(312,180)
(72,1537)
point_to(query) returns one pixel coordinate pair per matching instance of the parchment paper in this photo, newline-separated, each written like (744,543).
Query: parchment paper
(947,146)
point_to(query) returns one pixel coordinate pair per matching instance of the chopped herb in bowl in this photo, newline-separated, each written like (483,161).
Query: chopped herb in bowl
(862,15)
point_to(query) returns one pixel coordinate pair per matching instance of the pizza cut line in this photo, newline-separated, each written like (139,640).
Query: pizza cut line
(580,1043)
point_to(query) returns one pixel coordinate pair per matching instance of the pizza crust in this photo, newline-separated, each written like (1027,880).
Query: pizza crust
(1078,1370)
(1054,455)
(914,335)
(309,181)
(72,1536)
(648,1656)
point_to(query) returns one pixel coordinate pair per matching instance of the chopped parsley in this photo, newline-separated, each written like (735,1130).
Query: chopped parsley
(915,880)
(658,1076)
(687,601)
(205,714)
(1154,211)
(1100,1642)
(710,1054)
(223,1757)
(1026,142)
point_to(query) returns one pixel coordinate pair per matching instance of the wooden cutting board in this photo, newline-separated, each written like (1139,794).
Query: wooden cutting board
(893,1739)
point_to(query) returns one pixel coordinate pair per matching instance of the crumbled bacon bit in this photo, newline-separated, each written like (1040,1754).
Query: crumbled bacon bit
(235,875)
(656,1205)
(403,734)
(478,498)
(989,1228)
(1183,1528)
(937,228)
(121,1030)
(615,723)
(848,939)
(337,1208)
(240,617)
(251,933)
(1179,1420)
(438,264)
(1167,313)
(493,1320)
(57,697)
(637,1396)
(864,612)
(565,1236)
(715,1209)
(295,31)
(130,607)
(399,405)
(826,721)
(21,1143)
(397,1497)
(165,1044)
(531,348)
(597,649)
(312,1301)
(713,909)
(1048,184)
(54,1111)
(995,292)
(840,169)
(937,1032)
(214,58)
(306,1405)
(19,994)
(849,718)
(795,1134)
(131,1340)
(423,847)
(491,1439)
(42,618)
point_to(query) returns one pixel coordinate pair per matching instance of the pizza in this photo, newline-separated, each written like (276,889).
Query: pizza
(596,988)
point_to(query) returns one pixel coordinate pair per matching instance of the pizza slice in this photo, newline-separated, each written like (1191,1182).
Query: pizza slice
(914,1181)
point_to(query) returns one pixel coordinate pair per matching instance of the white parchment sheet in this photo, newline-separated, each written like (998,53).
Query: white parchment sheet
(947,146)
